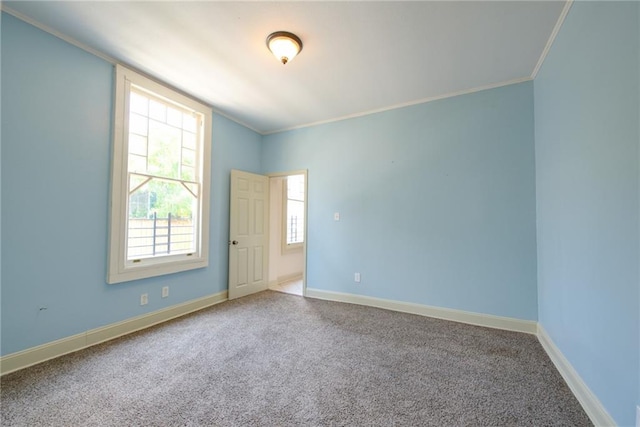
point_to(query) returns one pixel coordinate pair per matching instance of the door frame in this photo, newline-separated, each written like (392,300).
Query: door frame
(304,172)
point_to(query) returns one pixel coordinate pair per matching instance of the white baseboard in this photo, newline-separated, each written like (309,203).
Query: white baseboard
(285,278)
(478,319)
(22,359)
(290,277)
(590,403)
(282,279)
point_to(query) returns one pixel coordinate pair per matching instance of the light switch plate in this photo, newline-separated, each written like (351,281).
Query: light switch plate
(336,216)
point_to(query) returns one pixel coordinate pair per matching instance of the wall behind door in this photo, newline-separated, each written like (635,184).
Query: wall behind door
(436,202)
(282,266)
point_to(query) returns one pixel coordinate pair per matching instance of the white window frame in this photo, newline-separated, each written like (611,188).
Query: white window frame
(119,268)
(292,247)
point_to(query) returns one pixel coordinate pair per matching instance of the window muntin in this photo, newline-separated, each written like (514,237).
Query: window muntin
(160,180)
(294,208)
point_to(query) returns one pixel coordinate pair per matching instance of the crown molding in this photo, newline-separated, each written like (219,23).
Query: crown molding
(552,38)
(226,115)
(56,33)
(404,104)
(114,61)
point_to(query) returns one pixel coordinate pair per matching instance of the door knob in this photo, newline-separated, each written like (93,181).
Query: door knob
(235,242)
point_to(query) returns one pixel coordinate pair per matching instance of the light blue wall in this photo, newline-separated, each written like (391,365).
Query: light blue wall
(586,126)
(444,192)
(56,146)
(437,202)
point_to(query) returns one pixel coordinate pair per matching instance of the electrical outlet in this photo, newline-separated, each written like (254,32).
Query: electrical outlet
(165,292)
(144,299)
(356,277)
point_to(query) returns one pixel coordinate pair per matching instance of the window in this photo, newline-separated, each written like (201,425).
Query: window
(160,180)
(293,235)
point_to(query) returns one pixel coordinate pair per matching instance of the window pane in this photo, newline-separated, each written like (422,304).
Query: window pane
(295,187)
(170,197)
(135,180)
(188,157)
(295,221)
(164,150)
(189,140)
(138,145)
(174,117)
(138,124)
(161,220)
(140,236)
(138,104)
(137,163)
(139,202)
(188,173)
(157,111)
(189,122)
(193,188)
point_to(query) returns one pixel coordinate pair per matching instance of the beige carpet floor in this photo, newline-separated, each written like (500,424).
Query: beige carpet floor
(274,359)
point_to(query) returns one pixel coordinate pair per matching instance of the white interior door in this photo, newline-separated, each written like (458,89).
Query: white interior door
(248,234)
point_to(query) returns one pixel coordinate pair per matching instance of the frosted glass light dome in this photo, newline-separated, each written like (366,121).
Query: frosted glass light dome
(284,46)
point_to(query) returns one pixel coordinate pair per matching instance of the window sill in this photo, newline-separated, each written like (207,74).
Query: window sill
(129,273)
(293,248)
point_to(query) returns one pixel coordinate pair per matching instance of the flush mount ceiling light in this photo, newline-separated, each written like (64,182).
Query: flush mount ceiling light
(285,46)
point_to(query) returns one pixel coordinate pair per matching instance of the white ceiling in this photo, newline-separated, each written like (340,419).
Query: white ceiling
(358,57)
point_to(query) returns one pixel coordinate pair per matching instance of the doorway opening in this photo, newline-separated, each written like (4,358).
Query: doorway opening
(288,232)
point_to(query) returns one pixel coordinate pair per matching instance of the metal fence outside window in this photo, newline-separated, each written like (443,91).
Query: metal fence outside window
(149,237)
